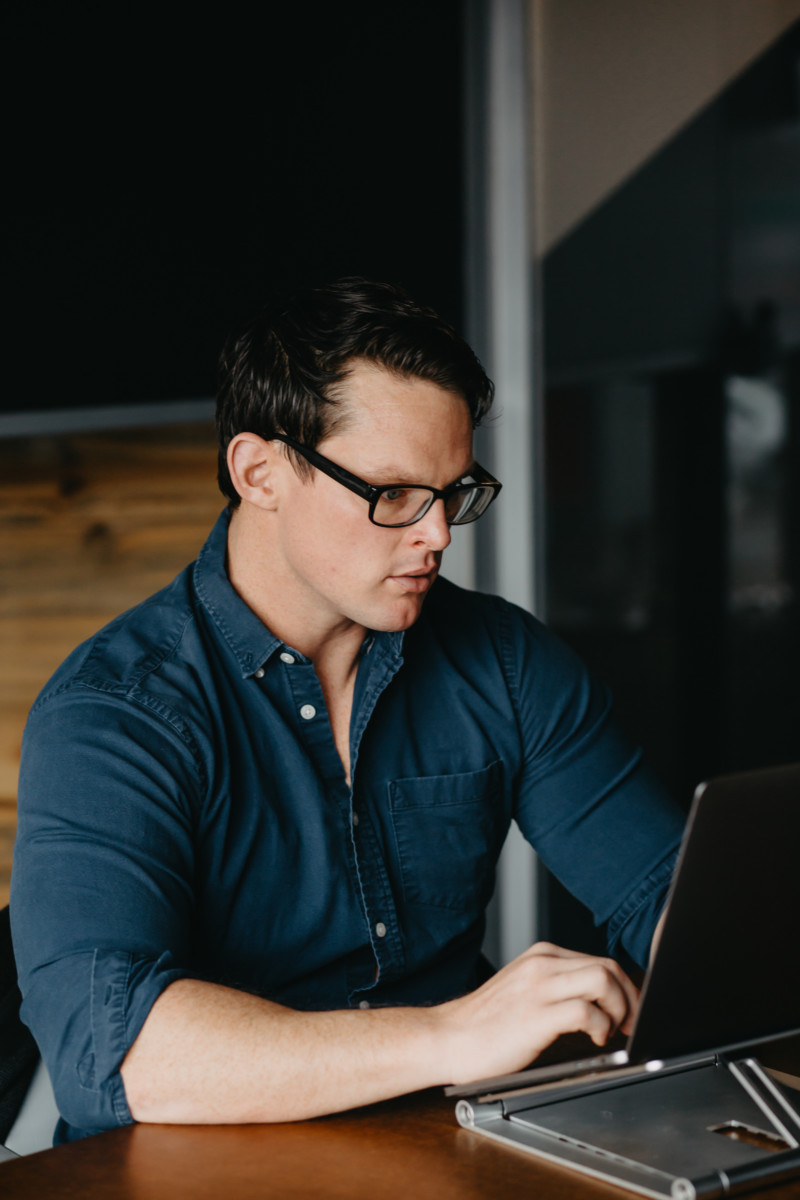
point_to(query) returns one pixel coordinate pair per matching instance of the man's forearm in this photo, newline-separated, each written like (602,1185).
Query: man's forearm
(208,1054)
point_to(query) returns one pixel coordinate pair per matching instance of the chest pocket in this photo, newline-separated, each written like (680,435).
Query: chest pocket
(448,832)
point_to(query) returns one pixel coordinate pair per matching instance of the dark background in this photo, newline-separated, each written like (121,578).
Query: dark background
(172,167)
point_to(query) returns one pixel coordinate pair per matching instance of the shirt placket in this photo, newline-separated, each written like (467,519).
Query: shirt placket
(313,723)
(366,855)
(380,663)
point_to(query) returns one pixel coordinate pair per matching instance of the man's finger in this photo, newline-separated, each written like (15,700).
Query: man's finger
(594,984)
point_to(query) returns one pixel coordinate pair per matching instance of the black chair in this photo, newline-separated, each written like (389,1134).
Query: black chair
(18,1051)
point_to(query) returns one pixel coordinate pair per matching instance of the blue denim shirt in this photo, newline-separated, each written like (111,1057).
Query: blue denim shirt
(183,811)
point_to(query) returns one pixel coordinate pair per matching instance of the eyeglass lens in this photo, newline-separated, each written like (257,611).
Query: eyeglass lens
(403,506)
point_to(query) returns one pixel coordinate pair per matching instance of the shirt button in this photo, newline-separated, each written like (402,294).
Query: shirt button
(363,1004)
(259,673)
(287,658)
(355,818)
(307,712)
(380,929)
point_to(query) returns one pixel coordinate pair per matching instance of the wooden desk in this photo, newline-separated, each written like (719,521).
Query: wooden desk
(410,1148)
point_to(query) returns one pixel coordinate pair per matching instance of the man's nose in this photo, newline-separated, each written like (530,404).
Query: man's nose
(433,528)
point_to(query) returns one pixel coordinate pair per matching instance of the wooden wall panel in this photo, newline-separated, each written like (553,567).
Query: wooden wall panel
(89,525)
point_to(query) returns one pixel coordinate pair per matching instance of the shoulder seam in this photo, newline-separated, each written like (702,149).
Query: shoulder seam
(152,663)
(508,658)
(142,699)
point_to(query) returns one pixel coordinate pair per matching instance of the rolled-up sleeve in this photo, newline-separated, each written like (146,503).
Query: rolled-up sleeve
(101,895)
(597,816)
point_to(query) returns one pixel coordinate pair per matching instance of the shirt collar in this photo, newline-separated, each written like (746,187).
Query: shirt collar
(250,640)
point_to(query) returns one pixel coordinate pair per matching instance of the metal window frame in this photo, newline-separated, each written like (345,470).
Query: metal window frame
(502,323)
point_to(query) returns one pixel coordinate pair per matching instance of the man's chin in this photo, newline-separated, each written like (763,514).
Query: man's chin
(402,617)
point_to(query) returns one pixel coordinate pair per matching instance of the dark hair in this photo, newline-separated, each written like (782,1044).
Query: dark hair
(281,373)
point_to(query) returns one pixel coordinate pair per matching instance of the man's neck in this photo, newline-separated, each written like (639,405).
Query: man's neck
(333,646)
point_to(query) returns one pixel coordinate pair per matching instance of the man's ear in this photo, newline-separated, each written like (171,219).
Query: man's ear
(253,463)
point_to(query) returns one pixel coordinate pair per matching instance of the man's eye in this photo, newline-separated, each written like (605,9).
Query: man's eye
(395,494)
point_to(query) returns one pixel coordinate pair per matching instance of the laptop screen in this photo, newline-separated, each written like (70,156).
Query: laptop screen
(727,968)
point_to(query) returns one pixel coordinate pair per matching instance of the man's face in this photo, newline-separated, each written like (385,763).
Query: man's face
(342,568)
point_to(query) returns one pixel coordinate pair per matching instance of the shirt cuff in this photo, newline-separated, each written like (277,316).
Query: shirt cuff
(86,1012)
(635,922)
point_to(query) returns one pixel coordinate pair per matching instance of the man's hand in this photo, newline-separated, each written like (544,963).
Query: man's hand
(545,992)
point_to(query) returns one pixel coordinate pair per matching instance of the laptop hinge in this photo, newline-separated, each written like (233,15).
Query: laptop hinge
(513,1099)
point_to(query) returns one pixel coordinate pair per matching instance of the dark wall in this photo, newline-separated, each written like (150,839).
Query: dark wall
(650,275)
(641,277)
(172,166)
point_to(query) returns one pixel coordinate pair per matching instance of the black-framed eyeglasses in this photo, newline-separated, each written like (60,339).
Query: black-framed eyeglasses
(397,504)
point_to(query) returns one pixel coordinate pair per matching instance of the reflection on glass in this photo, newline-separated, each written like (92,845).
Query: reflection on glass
(755,435)
(600,505)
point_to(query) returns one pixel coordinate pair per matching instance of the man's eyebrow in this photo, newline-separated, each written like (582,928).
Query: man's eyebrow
(390,474)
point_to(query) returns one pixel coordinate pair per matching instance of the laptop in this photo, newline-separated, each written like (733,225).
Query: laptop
(726,971)
(724,980)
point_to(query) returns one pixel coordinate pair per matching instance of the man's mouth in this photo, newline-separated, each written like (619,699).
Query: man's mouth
(417,581)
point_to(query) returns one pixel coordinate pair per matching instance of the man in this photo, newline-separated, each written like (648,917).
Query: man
(260,813)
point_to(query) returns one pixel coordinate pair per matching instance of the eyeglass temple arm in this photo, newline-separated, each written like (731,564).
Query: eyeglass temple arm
(332,469)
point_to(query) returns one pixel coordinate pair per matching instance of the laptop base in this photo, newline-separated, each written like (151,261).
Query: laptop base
(689,1130)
